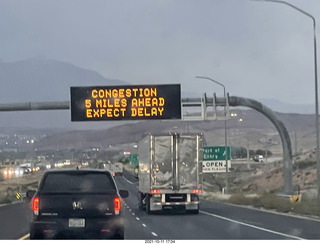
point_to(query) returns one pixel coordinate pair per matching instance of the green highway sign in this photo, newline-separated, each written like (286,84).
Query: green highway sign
(216,153)
(214,159)
(134,159)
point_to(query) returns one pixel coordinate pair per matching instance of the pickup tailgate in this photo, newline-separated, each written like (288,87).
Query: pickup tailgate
(79,193)
(76,205)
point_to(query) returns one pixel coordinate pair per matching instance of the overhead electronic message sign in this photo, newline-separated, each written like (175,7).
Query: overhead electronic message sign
(125,102)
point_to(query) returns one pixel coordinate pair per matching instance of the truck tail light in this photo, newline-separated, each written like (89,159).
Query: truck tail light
(152,191)
(35,205)
(117,205)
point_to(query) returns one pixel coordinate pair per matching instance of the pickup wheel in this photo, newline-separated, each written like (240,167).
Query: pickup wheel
(119,235)
(35,235)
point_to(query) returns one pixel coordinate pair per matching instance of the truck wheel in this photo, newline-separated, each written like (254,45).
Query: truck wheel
(141,205)
(193,211)
(196,211)
(148,211)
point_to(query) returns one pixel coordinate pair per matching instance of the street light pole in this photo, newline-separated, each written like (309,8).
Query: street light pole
(315,82)
(225,124)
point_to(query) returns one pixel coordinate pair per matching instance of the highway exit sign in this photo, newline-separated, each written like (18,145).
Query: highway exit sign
(214,159)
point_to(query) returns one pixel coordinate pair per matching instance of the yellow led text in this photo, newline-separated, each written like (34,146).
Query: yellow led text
(114,103)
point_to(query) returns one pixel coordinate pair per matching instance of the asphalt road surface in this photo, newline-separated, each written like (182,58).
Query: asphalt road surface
(216,221)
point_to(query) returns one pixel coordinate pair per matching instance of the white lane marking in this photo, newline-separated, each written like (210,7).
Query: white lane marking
(24,237)
(252,226)
(144,225)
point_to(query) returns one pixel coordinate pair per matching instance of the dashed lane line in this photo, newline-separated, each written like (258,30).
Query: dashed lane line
(143,224)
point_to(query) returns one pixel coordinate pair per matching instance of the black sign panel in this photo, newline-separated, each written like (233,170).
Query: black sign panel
(141,102)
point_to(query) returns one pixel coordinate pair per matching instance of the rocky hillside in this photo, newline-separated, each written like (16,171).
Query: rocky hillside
(248,129)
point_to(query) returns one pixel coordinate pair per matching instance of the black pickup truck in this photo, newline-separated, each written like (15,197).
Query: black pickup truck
(77,204)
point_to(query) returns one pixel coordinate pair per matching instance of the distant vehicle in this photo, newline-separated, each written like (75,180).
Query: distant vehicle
(75,204)
(107,166)
(26,170)
(118,168)
(258,158)
(169,172)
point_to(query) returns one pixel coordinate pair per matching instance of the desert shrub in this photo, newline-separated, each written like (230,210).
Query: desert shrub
(6,199)
(280,204)
(266,201)
(240,199)
(272,201)
(308,207)
(303,165)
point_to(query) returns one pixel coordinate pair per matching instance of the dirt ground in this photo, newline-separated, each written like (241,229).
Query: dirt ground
(304,177)
(13,185)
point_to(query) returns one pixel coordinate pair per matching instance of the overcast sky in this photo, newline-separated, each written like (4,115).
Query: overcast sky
(256,49)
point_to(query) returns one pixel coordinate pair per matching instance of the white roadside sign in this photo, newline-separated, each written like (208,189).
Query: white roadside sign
(215,166)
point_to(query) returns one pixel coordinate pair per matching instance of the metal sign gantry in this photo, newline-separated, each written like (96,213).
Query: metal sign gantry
(204,102)
(202,107)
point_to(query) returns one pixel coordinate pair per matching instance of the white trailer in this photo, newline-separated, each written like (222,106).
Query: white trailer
(170,172)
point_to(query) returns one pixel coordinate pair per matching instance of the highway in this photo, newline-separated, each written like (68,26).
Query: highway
(216,221)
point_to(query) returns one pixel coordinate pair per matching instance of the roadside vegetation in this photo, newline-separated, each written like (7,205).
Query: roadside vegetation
(272,201)
(10,194)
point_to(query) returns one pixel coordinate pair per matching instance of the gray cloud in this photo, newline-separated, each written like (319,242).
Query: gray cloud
(258,50)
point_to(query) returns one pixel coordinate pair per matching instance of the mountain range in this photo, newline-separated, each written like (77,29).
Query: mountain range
(42,80)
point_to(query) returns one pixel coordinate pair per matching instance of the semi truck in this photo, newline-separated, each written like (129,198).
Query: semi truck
(170,172)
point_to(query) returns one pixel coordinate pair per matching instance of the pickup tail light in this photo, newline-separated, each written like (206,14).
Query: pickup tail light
(35,205)
(117,205)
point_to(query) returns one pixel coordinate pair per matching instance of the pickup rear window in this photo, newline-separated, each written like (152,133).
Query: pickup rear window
(77,183)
